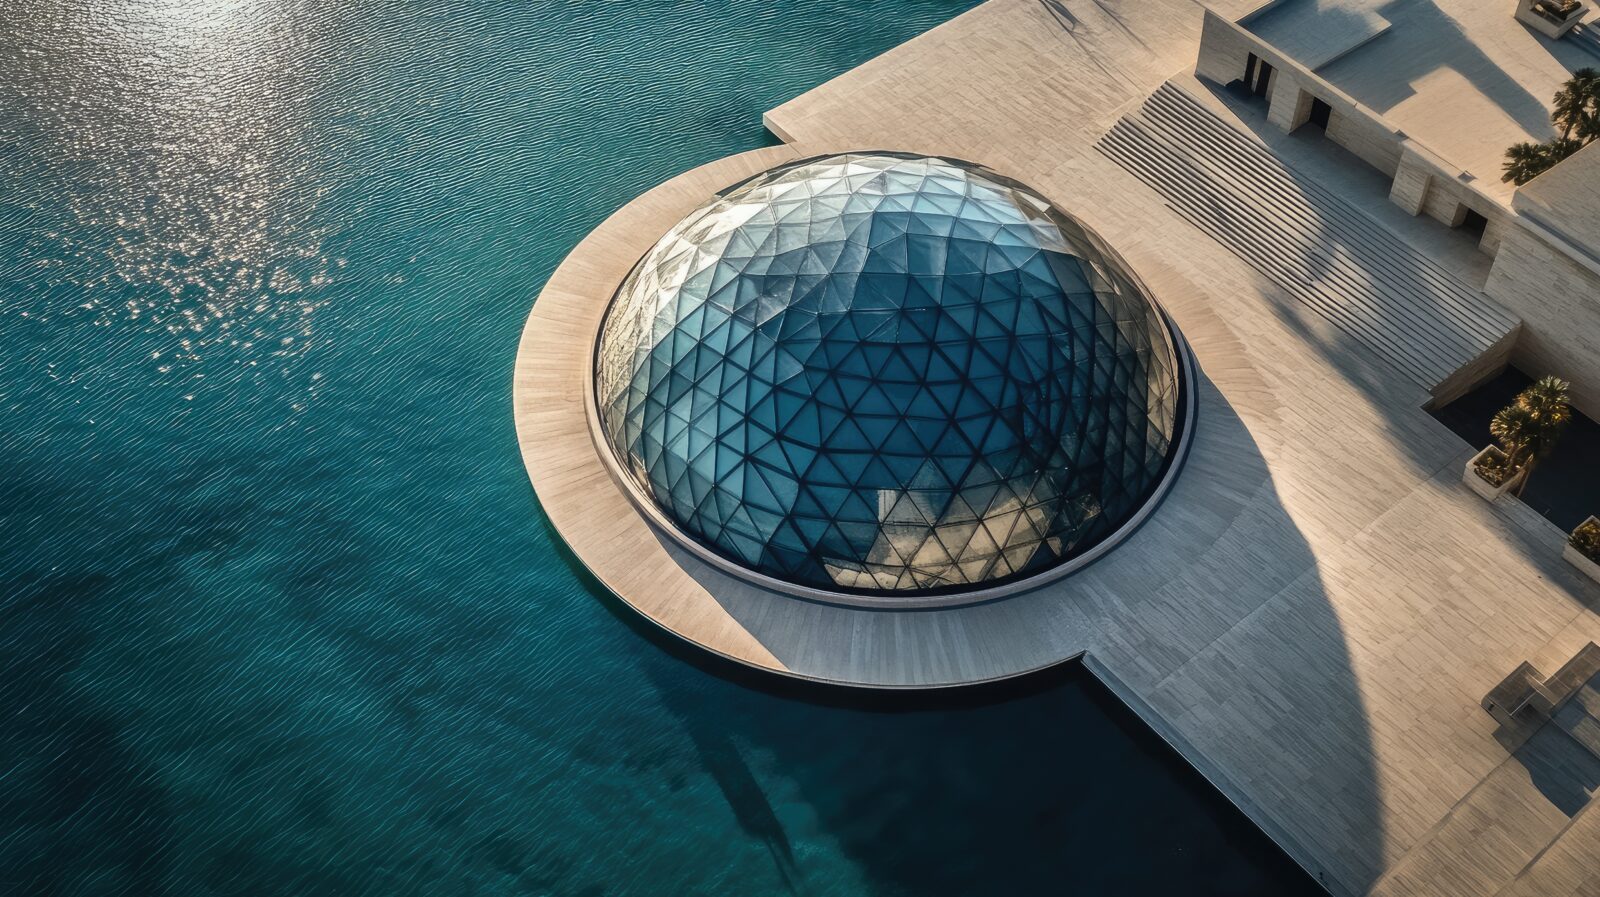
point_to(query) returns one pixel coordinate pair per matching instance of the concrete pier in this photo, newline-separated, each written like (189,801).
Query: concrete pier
(1315,611)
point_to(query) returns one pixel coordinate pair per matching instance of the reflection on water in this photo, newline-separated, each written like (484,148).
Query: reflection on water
(279,616)
(183,172)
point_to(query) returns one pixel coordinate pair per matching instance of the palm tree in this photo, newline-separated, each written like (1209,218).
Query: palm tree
(1547,402)
(1526,161)
(1513,427)
(1575,111)
(1528,428)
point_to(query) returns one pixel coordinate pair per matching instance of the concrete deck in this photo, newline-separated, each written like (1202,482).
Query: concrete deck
(1461,76)
(1315,611)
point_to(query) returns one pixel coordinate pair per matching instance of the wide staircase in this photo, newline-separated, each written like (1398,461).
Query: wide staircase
(1330,256)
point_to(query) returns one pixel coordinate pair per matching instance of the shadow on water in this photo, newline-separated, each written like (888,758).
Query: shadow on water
(723,760)
(78,807)
(1021,786)
(1004,789)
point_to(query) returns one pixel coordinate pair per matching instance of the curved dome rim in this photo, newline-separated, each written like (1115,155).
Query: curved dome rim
(1184,372)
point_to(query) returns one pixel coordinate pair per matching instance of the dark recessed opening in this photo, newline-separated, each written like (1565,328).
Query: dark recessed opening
(1263,81)
(1320,112)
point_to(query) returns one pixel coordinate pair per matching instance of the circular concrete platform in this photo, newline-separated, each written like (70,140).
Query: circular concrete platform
(961,640)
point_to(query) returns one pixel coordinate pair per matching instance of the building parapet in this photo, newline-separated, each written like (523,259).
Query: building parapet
(1544,270)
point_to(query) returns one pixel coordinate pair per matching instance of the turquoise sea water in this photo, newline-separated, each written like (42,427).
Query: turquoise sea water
(279,614)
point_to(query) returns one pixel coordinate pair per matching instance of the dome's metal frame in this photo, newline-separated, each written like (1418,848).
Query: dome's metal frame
(1184,425)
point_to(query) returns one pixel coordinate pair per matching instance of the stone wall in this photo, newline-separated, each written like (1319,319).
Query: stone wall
(1224,49)
(1558,299)
(1553,286)
(1424,185)
(1566,199)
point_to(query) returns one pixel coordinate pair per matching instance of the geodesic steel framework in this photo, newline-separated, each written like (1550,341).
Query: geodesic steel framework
(887,373)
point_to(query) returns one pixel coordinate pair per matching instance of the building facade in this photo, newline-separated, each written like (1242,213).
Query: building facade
(1544,237)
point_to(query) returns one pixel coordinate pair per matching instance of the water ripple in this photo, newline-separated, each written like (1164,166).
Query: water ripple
(278,611)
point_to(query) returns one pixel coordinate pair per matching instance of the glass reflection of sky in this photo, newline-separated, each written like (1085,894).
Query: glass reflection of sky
(887,373)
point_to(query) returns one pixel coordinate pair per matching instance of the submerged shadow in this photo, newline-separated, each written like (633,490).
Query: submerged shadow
(1048,780)
(80,809)
(721,758)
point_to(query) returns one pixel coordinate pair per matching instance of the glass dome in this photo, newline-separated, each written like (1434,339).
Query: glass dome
(887,373)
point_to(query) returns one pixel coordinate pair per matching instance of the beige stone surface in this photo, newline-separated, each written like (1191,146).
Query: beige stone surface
(1567,868)
(1559,299)
(1316,609)
(1566,198)
(1463,77)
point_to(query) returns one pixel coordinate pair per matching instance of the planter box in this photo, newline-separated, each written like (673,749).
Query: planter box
(1482,486)
(1554,29)
(1577,559)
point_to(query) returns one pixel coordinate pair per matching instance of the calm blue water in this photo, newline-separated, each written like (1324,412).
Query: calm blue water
(279,614)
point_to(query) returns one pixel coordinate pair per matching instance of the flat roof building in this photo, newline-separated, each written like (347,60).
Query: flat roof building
(1431,93)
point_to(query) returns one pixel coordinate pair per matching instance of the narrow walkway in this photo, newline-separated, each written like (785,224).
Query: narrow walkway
(1329,255)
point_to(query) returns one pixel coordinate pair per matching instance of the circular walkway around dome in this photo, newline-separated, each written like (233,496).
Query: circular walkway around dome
(939,638)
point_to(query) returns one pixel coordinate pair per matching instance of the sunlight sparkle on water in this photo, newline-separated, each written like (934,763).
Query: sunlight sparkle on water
(192,177)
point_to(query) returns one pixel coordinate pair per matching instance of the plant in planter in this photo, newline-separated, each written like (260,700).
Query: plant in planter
(1583,548)
(1541,415)
(1526,430)
(1495,466)
(1491,473)
(1556,10)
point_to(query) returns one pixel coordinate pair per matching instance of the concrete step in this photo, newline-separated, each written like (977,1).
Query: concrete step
(1361,224)
(1327,254)
(1585,35)
(1579,716)
(1346,256)
(1236,230)
(1583,728)
(1277,181)
(1587,699)
(1241,228)
(1362,266)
